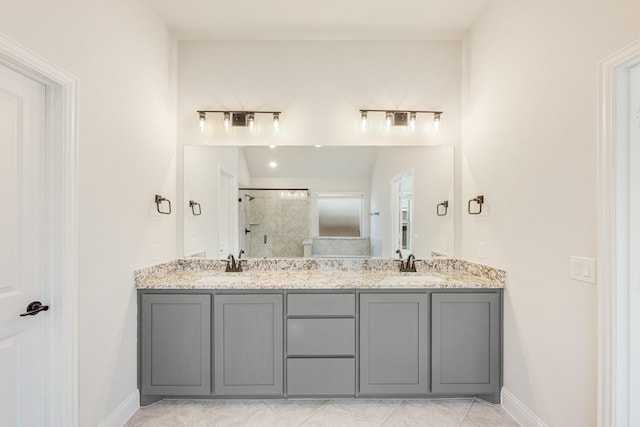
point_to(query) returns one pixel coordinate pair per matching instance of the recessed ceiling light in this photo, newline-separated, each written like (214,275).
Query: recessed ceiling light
(273,164)
(272,146)
(317,146)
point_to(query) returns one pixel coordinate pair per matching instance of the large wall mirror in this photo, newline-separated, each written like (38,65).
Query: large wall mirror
(306,201)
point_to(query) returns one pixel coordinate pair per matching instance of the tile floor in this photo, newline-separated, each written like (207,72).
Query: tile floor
(322,413)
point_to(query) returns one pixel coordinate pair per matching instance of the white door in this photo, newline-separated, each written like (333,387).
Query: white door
(228,214)
(23,251)
(401,219)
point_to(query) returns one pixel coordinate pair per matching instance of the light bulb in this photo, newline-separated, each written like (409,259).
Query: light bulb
(388,120)
(276,121)
(363,120)
(251,121)
(202,118)
(436,121)
(412,120)
(226,121)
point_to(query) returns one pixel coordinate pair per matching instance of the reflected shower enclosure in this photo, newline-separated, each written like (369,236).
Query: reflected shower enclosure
(273,223)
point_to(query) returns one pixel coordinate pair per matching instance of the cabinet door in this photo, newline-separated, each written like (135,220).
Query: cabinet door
(393,344)
(465,343)
(248,345)
(175,354)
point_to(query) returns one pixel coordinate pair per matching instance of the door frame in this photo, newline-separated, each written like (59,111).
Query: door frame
(62,220)
(614,284)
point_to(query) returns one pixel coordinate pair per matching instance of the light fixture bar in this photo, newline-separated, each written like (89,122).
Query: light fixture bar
(364,110)
(241,118)
(238,111)
(402,118)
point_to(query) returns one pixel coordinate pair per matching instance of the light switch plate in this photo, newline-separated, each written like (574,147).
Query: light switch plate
(582,269)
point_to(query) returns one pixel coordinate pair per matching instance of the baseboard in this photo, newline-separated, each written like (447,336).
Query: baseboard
(519,411)
(123,412)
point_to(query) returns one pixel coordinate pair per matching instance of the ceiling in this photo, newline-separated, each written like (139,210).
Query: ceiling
(319,20)
(310,162)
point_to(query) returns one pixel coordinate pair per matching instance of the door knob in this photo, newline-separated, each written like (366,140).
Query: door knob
(35,308)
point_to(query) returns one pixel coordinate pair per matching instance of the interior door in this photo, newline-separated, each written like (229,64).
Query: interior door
(228,214)
(401,219)
(23,251)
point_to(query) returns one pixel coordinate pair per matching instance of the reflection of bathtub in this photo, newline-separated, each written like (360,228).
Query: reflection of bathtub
(336,247)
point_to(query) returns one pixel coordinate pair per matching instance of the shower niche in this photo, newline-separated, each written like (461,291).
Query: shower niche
(273,222)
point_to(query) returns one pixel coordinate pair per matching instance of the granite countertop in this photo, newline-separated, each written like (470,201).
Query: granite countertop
(319,274)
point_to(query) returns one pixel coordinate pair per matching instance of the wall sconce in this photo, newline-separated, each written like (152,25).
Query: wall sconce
(238,118)
(400,118)
(363,119)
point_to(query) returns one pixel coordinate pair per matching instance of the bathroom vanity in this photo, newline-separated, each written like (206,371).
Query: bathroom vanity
(320,328)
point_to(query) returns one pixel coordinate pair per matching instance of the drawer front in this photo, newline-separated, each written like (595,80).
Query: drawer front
(316,337)
(321,377)
(321,304)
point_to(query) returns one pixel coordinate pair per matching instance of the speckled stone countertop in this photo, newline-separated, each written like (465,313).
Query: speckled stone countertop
(310,273)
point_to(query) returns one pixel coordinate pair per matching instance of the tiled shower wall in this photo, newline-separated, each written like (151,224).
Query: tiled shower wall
(278,222)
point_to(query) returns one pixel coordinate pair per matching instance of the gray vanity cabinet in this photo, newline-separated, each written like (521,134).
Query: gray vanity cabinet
(175,352)
(321,344)
(465,348)
(248,343)
(394,344)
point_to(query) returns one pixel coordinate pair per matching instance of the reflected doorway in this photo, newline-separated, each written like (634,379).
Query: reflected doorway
(402,212)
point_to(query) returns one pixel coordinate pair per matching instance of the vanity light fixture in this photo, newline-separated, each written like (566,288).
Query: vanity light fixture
(226,120)
(388,120)
(412,120)
(251,121)
(400,118)
(239,118)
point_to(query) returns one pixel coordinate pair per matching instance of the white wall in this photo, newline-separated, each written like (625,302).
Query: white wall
(201,184)
(319,87)
(529,140)
(122,57)
(433,183)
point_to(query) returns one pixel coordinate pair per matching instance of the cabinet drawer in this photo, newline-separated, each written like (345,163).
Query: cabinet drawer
(321,377)
(321,304)
(315,337)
